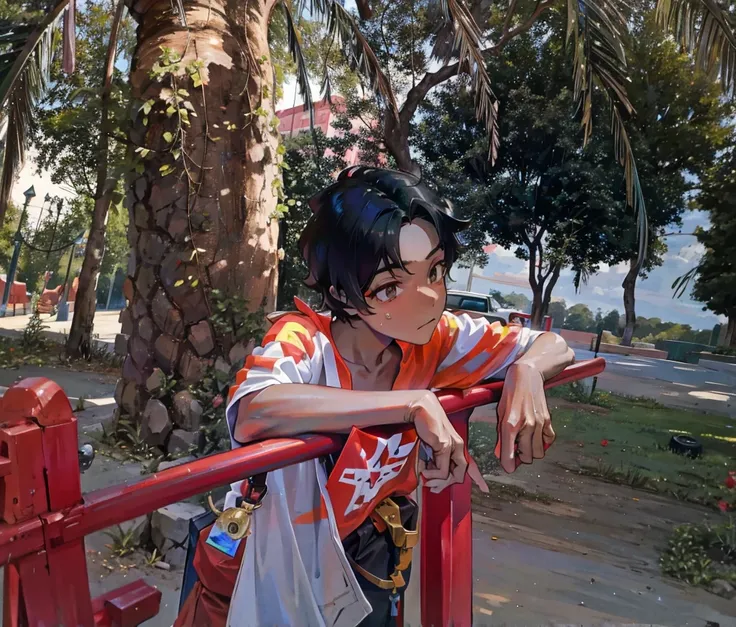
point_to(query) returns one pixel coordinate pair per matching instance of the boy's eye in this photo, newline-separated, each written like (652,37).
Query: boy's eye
(437,273)
(387,293)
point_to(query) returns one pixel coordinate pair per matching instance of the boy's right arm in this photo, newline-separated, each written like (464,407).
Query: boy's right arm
(291,409)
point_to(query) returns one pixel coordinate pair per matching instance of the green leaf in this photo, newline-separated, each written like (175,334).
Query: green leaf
(195,283)
(170,111)
(183,92)
(168,137)
(179,283)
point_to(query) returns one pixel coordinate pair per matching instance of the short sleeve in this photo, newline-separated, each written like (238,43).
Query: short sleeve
(284,357)
(474,350)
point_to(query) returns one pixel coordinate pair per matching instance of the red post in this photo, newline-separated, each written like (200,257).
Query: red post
(447,550)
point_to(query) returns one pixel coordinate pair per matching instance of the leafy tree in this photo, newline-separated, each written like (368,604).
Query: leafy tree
(558,311)
(715,283)
(580,318)
(7,235)
(610,322)
(518,301)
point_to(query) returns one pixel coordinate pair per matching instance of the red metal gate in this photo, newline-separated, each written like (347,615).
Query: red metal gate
(45,517)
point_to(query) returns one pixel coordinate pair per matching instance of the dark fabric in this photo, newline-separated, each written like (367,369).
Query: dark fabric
(376,553)
(196,525)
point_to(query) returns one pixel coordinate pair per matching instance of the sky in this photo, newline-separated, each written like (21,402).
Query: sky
(505,272)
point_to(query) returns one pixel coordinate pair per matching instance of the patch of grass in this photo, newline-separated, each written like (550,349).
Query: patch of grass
(123,542)
(576,392)
(700,553)
(636,435)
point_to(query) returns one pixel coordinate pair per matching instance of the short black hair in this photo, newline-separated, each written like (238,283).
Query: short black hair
(355,224)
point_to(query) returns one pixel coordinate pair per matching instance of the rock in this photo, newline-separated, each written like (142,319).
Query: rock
(126,322)
(132,236)
(219,275)
(167,353)
(162,218)
(170,531)
(139,309)
(141,215)
(131,264)
(156,424)
(162,565)
(145,328)
(146,281)
(200,336)
(176,462)
(131,372)
(194,306)
(239,352)
(722,588)
(151,247)
(222,366)
(156,381)
(174,325)
(160,308)
(139,526)
(121,344)
(118,395)
(141,184)
(182,441)
(128,289)
(179,226)
(138,351)
(187,411)
(191,367)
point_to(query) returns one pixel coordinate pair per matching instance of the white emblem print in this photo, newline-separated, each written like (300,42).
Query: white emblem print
(385,464)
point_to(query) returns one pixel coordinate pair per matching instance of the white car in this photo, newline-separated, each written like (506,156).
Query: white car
(482,304)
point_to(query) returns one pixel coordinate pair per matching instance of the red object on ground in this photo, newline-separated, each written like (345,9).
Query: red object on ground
(604,442)
(45,519)
(723,506)
(730,482)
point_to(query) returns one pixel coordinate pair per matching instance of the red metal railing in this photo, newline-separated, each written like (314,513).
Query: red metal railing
(46,517)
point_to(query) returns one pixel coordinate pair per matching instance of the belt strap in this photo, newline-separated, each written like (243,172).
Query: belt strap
(389,514)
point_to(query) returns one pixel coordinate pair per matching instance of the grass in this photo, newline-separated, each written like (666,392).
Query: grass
(636,435)
(626,441)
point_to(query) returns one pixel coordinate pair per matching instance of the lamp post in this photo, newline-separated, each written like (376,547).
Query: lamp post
(30,193)
(62,312)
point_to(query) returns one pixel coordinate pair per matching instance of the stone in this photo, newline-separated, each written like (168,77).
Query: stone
(152,247)
(129,399)
(139,352)
(201,338)
(194,307)
(187,411)
(219,275)
(141,185)
(156,381)
(141,215)
(140,528)
(156,424)
(240,351)
(176,462)
(161,196)
(146,281)
(722,588)
(121,344)
(170,531)
(178,226)
(166,351)
(118,395)
(182,441)
(222,366)
(132,236)
(126,322)
(173,324)
(162,565)
(131,264)
(131,372)
(145,328)
(191,367)
(128,289)
(160,308)
(139,309)
(162,218)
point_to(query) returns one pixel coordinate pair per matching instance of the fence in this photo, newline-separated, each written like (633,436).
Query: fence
(45,517)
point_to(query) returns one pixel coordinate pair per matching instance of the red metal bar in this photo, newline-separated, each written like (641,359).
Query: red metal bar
(46,547)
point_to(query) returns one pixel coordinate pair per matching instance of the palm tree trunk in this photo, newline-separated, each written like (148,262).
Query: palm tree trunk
(629,286)
(201,219)
(85,303)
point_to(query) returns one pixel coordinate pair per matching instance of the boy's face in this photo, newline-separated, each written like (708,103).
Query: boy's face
(407,307)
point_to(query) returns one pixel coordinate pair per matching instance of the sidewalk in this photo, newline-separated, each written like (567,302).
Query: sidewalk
(107,326)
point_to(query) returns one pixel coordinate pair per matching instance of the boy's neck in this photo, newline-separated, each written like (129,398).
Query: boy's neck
(359,344)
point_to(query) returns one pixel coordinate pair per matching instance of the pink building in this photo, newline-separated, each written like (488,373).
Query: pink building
(296,120)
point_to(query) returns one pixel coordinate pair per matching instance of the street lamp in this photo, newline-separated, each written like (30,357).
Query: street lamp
(30,193)
(62,312)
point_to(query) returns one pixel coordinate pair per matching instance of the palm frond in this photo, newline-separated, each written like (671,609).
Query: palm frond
(468,43)
(24,73)
(342,28)
(681,282)
(708,31)
(595,29)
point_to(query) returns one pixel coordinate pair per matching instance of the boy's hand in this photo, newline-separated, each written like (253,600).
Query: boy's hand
(524,425)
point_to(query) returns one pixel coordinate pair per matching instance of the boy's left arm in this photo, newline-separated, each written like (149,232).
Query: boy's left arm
(523,416)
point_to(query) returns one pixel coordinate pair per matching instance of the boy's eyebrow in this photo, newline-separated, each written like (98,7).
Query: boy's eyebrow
(396,266)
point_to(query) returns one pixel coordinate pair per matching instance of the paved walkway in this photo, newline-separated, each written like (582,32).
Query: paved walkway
(107,326)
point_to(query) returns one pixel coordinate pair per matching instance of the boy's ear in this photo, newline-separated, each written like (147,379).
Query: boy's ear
(350,311)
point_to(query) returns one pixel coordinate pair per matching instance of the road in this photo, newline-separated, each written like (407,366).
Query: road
(670,383)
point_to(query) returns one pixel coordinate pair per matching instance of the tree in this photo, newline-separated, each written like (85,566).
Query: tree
(558,311)
(554,204)
(517,301)
(715,275)
(7,235)
(580,318)
(610,322)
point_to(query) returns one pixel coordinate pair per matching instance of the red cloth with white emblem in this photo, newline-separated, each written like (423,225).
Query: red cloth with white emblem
(371,467)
